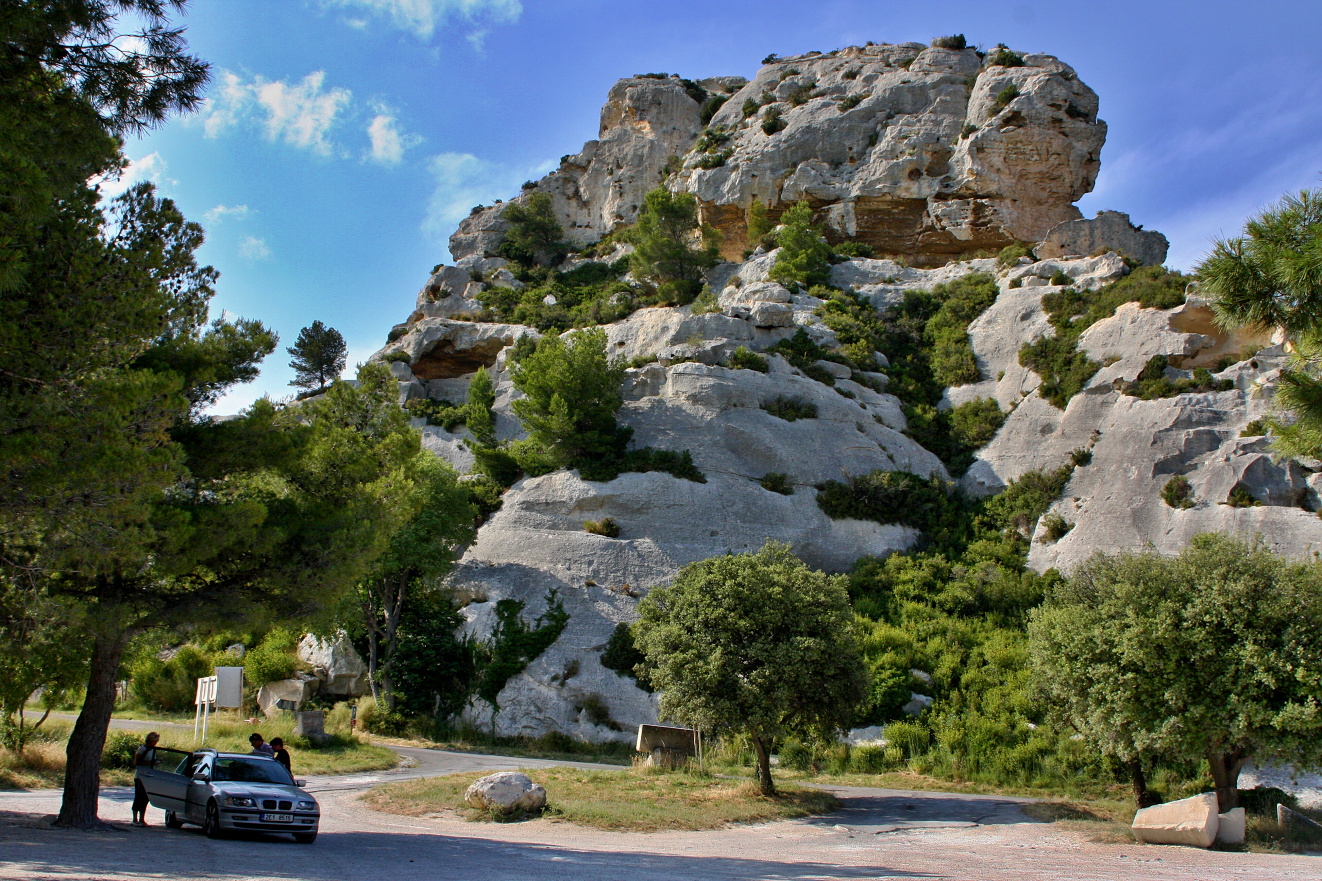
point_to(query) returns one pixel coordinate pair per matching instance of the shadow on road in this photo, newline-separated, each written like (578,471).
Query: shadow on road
(358,855)
(880,811)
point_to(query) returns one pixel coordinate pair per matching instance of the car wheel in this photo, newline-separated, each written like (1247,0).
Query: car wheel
(211,825)
(172,820)
(305,837)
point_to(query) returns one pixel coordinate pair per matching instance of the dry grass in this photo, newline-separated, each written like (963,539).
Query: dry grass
(631,800)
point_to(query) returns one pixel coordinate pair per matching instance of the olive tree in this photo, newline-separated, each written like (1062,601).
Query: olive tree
(1209,655)
(756,643)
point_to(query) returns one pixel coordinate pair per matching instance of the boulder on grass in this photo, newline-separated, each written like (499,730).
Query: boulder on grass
(1192,821)
(507,792)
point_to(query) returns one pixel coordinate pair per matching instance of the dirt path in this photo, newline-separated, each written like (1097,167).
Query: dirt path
(879,834)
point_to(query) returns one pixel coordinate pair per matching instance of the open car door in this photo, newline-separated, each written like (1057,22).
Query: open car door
(166,781)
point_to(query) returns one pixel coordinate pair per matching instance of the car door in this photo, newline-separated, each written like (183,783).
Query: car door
(166,781)
(199,789)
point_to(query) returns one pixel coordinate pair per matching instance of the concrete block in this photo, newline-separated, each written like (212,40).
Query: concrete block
(1230,826)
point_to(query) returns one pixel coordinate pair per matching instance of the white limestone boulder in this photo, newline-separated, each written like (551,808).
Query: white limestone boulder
(507,792)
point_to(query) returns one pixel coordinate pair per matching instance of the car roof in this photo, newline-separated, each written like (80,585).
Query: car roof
(221,755)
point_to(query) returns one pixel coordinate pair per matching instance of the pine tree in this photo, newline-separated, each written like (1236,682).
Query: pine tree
(319,356)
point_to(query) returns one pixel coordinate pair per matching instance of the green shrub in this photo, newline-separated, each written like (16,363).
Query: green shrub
(1240,497)
(1178,492)
(967,130)
(622,656)
(1060,278)
(377,719)
(742,359)
(976,422)
(849,102)
(803,353)
(710,107)
(851,74)
(606,527)
(794,755)
(1026,499)
(168,685)
(791,410)
(751,107)
(849,250)
(705,302)
(911,737)
(773,121)
(1011,254)
(1003,57)
(1055,527)
(396,332)
(777,482)
(1017,282)
(398,355)
(1152,382)
(274,658)
(802,93)
(675,463)
(712,160)
(596,711)
(442,413)
(952,358)
(1081,457)
(1004,97)
(955,42)
(924,503)
(868,759)
(120,748)
(1256,428)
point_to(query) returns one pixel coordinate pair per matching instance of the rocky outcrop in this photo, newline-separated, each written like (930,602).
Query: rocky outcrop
(1108,231)
(336,665)
(919,152)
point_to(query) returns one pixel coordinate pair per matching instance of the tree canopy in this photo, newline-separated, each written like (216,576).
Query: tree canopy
(670,247)
(534,234)
(755,643)
(319,355)
(1209,655)
(1272,277)
(804,258)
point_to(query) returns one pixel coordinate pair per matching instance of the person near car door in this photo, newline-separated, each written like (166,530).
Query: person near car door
(281,754)
(143,757)
(259,746)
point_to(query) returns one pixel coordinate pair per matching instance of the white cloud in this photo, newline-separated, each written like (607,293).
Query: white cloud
(220,212)
(301,114)
(253,248)
(149,168)
(423,17)
(462,180)
(388,142)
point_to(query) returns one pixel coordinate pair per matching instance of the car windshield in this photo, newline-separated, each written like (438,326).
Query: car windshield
(251,771)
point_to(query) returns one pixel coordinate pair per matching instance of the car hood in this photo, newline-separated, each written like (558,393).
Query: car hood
(261,790)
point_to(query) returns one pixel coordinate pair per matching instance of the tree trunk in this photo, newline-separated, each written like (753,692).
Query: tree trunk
(371,664)
(1225,774)
(82,775)
(764,767)
(1142,798)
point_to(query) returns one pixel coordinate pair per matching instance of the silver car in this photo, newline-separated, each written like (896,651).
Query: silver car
(230,792)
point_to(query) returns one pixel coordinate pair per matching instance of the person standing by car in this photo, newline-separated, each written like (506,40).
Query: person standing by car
(281,754)
(259,746)
(143,757)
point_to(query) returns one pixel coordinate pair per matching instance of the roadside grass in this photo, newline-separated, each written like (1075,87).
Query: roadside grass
(635,800)
(41,766)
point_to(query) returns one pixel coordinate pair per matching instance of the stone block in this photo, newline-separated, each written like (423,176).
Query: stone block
(310,723)
(1193,821)
(1230,826)
(285,694)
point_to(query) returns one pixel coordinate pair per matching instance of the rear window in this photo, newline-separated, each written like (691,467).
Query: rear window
(251,771)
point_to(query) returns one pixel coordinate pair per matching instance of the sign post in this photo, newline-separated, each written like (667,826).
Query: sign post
(204,701)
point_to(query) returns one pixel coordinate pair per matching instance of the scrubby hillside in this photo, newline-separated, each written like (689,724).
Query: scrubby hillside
(996,340)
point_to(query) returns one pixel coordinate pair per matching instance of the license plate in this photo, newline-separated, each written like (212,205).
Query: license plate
(277,818)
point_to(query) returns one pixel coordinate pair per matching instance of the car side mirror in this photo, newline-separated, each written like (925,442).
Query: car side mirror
(202,777)
(300,783)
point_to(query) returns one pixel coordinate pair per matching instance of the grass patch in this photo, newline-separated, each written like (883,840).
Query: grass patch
(621,801)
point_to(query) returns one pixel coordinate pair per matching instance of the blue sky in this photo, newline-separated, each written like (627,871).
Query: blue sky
(343,140)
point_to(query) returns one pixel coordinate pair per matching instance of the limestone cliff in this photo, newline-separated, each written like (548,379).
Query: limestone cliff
(938,157)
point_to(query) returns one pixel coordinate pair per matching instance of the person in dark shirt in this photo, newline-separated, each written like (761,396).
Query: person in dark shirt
(144,757)
(281,754)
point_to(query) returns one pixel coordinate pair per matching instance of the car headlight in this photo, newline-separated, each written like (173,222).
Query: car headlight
(239,801)
(307,806)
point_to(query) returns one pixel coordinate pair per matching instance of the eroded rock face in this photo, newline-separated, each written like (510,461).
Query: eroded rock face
(1108,231)
(919,152)
(645,122)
